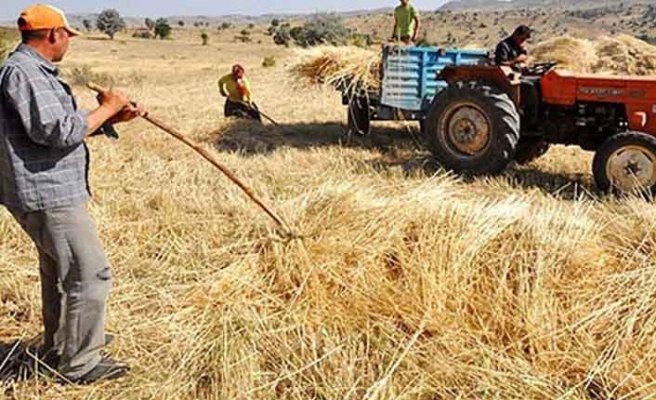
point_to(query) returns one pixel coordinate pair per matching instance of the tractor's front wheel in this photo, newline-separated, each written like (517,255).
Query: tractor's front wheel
(626,163)
(473,128)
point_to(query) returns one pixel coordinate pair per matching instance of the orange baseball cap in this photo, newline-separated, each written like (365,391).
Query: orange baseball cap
(44,16)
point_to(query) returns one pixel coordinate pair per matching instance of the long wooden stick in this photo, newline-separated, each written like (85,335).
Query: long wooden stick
(273,121)
(209,157)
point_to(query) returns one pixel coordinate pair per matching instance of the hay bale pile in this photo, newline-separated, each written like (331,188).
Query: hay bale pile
(350,69)
(621,55)
(570,53)
(353,69)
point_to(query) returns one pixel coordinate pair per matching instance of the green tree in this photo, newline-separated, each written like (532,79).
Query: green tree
(324,29)
(162,28)
(275,22)
(110,22)
(181,23)
(88,25)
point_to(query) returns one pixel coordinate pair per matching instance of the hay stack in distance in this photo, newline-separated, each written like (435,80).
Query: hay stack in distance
(350,69)
(577,55)
(617,55)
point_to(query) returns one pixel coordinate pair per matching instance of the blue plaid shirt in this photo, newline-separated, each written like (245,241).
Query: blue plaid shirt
(44,161)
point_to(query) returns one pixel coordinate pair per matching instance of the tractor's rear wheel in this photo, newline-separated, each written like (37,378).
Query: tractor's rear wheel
(473,128)
(359,119)
(626,163)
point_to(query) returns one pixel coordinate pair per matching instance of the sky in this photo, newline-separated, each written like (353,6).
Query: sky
(156,8)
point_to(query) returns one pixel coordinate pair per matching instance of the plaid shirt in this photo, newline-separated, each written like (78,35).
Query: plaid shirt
(44,161)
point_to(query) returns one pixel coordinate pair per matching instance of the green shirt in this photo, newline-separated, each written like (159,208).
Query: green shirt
(405,20)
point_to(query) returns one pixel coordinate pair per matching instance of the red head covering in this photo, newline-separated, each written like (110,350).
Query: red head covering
(238,71)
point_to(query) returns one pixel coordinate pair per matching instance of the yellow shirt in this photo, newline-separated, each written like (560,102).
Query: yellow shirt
(228,85)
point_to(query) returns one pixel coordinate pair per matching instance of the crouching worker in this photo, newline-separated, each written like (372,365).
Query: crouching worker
(44,169)
(237,90)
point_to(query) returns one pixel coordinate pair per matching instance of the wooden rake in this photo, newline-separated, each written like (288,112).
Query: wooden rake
(209,157)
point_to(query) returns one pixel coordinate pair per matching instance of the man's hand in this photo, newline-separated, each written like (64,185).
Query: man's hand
(521,59)
(130,112)
(113,101)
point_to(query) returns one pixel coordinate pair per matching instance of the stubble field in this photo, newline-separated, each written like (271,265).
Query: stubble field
(407,283)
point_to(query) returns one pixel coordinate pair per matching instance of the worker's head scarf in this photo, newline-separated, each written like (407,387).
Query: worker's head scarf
(238,71)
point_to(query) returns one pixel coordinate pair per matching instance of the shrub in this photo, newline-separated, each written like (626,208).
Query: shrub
(181,23)
(142,34)
(243,39)
(245,32)
(162,28)
(84,74)
(225,25)
(282,37)
(362,40)
(275,22)
(205,38)
(88,25)
(324,29)
(269,61)
(110,22)
(251,26)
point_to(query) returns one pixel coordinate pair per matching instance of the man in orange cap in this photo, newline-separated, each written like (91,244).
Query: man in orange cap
(236,88)
(44,184)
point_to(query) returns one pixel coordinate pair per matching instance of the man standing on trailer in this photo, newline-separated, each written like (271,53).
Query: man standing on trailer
(44,168)
(511,52)
(407,23)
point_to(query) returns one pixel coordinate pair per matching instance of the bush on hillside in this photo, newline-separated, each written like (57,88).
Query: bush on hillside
(142,34)
(282,36)
(269,61)
(322,30)
(162,28)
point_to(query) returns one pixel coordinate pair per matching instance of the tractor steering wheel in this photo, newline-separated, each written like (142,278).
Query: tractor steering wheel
(540,68)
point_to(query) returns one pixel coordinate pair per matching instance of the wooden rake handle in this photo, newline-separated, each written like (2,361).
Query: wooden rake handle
(209,157)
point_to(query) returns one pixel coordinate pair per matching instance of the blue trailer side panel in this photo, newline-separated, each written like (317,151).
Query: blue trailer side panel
(410,74)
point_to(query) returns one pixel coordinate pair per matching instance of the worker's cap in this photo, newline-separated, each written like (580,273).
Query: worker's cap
(524,30)
(44,16)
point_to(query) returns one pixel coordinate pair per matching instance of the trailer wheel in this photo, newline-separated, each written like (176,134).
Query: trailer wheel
(473,128)
(359,120)
(626,163)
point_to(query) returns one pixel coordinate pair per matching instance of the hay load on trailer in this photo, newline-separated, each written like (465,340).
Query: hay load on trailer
(399,84)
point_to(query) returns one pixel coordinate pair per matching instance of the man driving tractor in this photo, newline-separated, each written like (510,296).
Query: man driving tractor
(511,52)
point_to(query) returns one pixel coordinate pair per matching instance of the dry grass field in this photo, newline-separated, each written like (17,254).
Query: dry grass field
(407,283)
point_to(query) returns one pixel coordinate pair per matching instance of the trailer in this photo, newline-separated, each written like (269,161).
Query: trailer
(409,85)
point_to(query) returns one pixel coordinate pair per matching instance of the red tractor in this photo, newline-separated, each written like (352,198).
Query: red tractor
(489,116)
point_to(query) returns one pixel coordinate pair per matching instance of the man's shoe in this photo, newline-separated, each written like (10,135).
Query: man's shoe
(107,369)
(51,359)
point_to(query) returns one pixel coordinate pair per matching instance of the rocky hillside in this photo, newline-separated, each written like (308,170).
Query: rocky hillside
(516,4)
